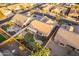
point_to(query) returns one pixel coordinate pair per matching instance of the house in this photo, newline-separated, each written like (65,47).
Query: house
(14,7)
(64,38)
(19,19)
(5,11)
(74,12)
(41,27)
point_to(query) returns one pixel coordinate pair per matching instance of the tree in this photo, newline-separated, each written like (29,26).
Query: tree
(39,50)
(29,37)
(10,23)
(20,36)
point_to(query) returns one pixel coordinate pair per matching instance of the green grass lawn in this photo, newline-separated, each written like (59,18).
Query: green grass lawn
(2,38)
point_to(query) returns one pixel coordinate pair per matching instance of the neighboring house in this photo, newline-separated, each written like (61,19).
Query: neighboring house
(74,12)
(14,7)
(5,11)
(64,38)
(2,16)
(19,19)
